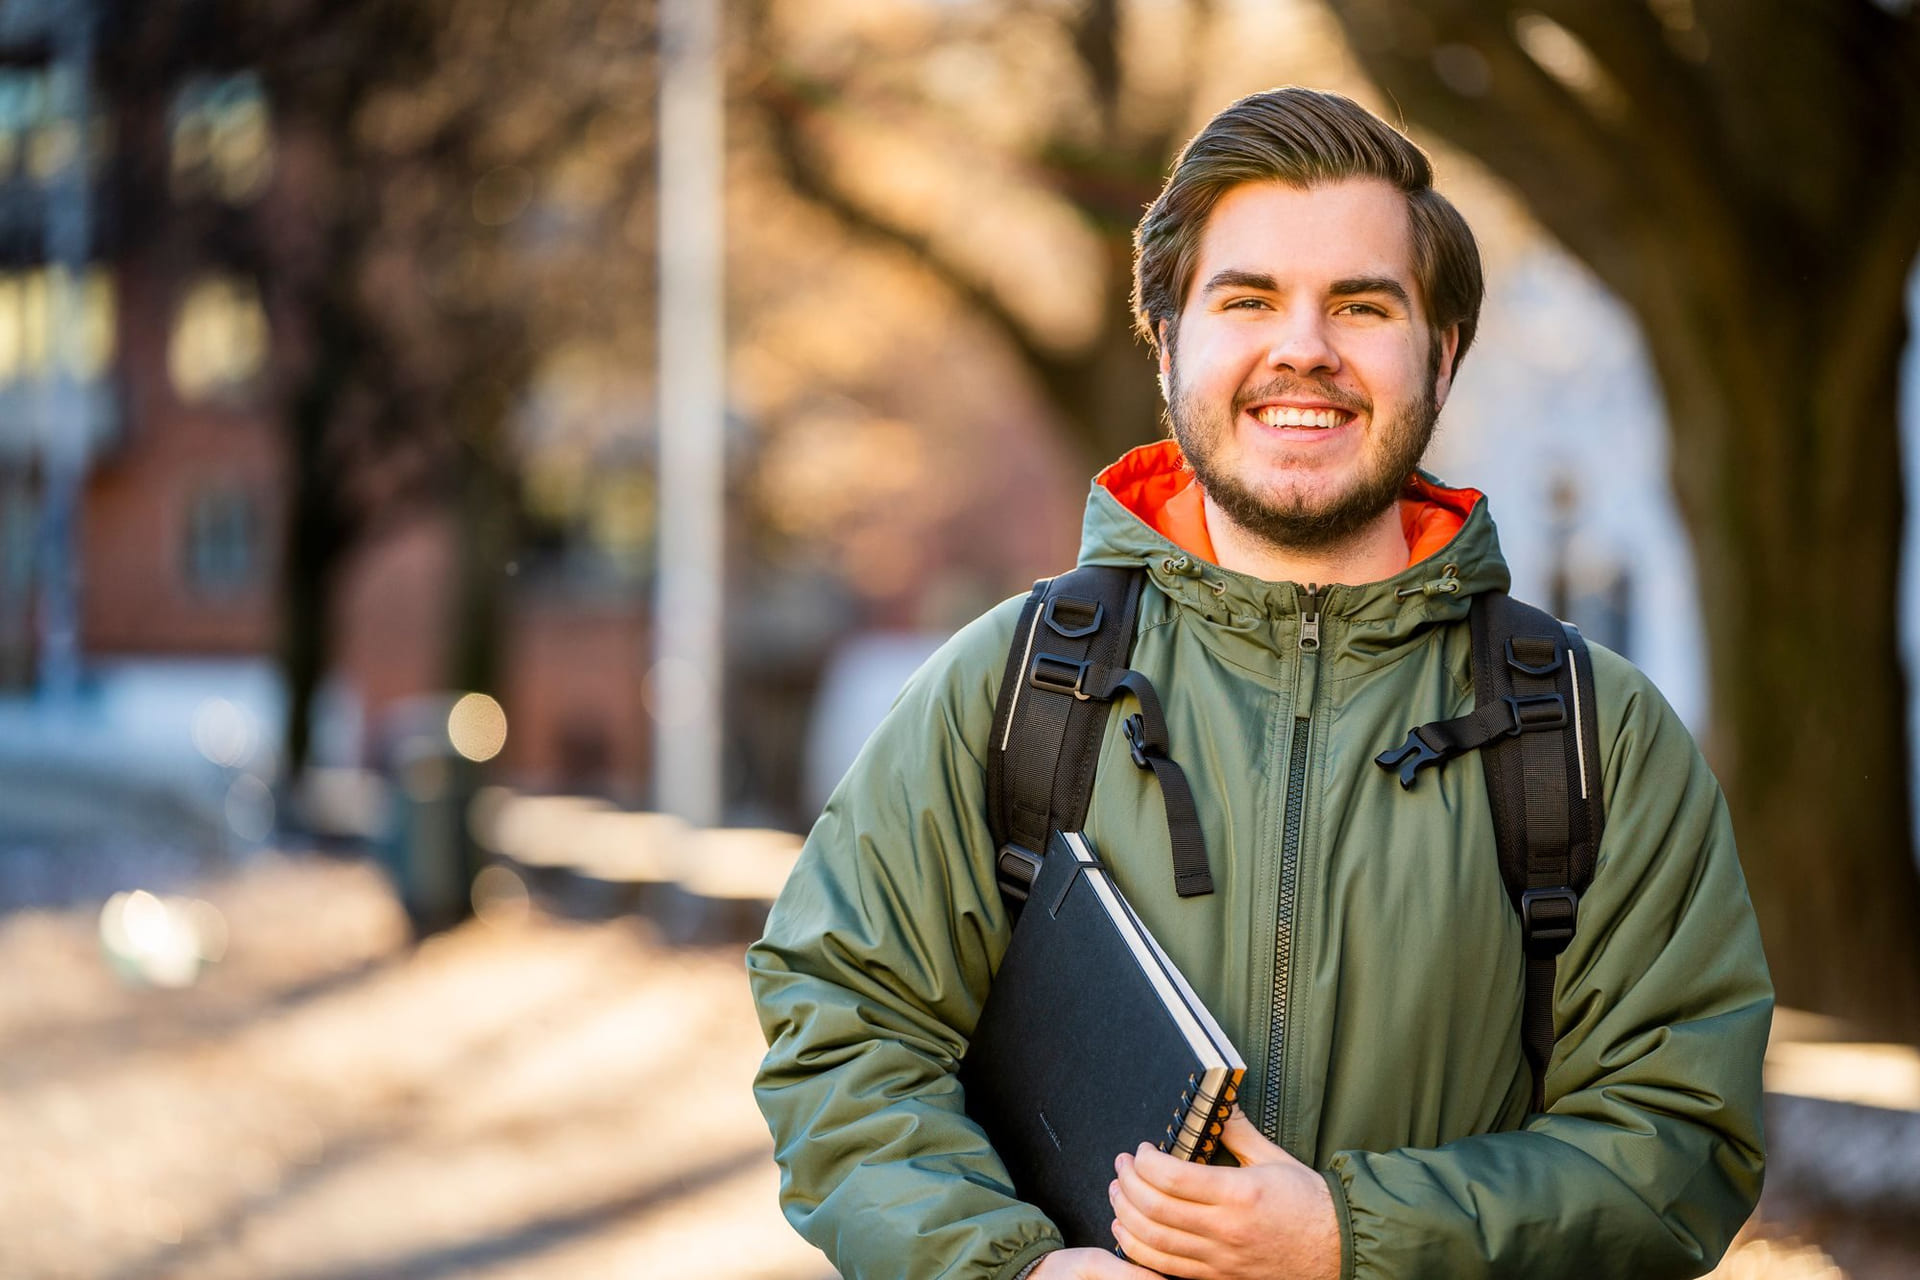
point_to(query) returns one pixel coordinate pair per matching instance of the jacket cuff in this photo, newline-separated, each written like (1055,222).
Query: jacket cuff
(1344,1214)
(1020,1264)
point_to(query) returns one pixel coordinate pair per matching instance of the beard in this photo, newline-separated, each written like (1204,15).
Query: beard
(1292,520)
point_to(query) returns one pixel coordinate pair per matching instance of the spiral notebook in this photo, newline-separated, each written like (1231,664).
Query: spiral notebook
(1091,1042)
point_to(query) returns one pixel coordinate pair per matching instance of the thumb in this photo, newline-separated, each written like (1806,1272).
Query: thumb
(1248,1144)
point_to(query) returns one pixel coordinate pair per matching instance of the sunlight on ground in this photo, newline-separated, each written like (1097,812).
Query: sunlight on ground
(545,1100)
(528,1100)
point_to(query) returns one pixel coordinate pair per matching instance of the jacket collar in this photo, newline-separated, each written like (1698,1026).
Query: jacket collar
(1145,509)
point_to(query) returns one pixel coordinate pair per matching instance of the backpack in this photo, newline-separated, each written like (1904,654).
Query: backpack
(1533,721)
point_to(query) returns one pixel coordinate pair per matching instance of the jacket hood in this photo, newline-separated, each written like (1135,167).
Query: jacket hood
(1146,509)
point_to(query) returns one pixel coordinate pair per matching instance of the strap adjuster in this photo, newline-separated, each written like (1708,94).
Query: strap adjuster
(1071,618)
(1536,712)
(1016,869)
(1547,918)
(1056,674)
(1542,669)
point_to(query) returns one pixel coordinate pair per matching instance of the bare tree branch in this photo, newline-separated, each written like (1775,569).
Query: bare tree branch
(1567,166)
(782,111)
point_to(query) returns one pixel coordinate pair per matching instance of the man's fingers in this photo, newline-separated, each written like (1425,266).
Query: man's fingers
(1152,1202)
(1090,1264)
(1248,1144)
(1163,1263)
(1136,1226)
(1182,1179)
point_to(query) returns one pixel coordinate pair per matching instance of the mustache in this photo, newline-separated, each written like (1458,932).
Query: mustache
(1298,388)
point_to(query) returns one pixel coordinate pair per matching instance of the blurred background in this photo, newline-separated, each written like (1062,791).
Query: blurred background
(472,474)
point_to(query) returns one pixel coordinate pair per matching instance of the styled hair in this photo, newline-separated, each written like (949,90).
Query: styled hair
(1302,137)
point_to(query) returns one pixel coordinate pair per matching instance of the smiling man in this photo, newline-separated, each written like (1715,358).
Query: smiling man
(1310,297)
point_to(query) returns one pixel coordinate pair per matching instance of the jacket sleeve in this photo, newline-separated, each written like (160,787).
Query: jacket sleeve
(1649,1154)
(868,982)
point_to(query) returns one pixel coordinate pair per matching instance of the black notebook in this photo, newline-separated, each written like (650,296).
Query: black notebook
(1090,1044)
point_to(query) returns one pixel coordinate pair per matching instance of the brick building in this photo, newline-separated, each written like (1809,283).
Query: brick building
(157,368)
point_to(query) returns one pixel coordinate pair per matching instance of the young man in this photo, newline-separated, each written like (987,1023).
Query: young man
(1310,298)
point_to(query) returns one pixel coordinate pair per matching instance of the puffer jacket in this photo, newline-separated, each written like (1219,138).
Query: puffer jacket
(1359,947)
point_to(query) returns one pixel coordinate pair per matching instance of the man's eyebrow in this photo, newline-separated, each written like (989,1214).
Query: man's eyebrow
(1232,278)
(1384,285)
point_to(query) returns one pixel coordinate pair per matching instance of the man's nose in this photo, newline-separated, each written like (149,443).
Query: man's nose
(1303,345)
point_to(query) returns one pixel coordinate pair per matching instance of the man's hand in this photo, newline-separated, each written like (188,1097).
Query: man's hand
(1088,1264)
(1272,1217)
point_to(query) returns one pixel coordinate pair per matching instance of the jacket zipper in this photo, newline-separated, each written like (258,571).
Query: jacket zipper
(1290,857)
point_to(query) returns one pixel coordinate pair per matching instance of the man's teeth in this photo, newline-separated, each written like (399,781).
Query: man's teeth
(1280,416)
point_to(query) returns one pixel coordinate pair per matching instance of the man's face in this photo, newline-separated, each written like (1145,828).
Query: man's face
(1300,374)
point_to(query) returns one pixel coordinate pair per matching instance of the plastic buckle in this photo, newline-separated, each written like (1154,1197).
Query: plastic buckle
(1409,758)
(1070,630)
(1536,712)
(1016,870)
(1548,932)
(1056,674)
(1546,669)
(1135,727)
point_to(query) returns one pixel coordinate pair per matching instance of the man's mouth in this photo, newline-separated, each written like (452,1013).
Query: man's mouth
(1280,415)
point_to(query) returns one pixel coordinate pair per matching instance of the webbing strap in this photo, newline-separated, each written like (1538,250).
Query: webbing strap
(1533,723)
(1534,782)
(1066,665)
(1146,732)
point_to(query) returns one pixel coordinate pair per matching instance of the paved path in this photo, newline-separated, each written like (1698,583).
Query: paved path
(526,1098)
(529,1100)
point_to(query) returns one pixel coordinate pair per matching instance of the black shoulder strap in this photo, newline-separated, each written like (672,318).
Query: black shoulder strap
(1533,722)
(1067,662)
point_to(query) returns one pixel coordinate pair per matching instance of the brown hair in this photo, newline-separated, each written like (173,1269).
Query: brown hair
(1302,137)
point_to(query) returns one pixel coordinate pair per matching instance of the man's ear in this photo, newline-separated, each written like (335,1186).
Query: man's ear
(1166,354)
(1449,341)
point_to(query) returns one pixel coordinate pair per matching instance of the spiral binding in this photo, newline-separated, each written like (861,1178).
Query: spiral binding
(1180,1113)
(1217,1122)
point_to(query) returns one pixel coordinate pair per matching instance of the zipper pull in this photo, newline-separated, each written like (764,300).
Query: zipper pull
(1310,620)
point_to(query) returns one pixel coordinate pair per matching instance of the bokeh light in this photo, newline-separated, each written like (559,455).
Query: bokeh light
(477,727)
(223,732)
(500,897)
(249,808)
(160,942)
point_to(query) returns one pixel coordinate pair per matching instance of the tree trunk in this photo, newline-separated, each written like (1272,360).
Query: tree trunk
(1761,227)
(1792,489)
(485,536)
(316,537)
(1108,397)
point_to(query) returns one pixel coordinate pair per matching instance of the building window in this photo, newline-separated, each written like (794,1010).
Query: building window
(219,340)
(223,542)
(40,129)
(33,302)
(221,138)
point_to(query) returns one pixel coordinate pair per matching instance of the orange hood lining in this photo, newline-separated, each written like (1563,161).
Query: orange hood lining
(1155,484)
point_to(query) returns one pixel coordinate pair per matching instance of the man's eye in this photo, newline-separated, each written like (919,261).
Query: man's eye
(1246,304)
(1360,309)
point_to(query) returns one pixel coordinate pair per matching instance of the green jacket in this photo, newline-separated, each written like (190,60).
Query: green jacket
(1359,948)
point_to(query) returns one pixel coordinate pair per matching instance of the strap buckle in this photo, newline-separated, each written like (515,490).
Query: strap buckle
(1016,869)
(1536,712)
(1410,757)
(1541,669)
(1056,674)
(1071,618)
(1547,918)
(1135,727)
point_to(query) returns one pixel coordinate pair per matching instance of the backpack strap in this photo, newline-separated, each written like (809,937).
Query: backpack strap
(1534,724)
(1067,662)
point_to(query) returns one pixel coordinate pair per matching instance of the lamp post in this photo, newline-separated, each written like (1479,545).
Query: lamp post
(685,676)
